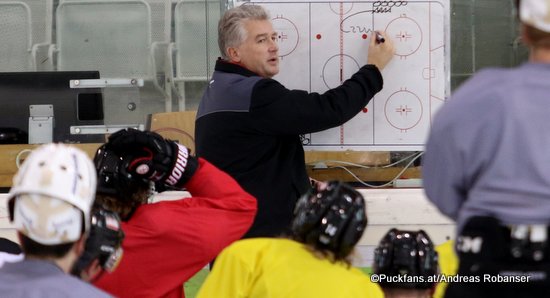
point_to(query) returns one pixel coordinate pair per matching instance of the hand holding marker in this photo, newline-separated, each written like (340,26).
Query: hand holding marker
(379,37)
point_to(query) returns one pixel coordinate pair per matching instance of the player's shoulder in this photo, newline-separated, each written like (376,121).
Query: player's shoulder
(251,244)
(487,79)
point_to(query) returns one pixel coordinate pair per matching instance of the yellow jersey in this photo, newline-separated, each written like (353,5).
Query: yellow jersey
(270,267)
(448,263)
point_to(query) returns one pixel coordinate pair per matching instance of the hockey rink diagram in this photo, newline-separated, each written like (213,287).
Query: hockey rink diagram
(323,43)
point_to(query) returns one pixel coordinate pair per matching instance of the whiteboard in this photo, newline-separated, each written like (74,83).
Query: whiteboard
(322,43)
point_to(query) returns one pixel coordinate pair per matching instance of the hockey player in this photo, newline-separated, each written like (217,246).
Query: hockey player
(167,242)
(406,264)
(328,222)
(49,205)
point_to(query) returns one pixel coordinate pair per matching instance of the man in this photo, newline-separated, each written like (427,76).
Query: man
(49,205)
(404,261)
(249,124)
(103,250)
(167,242)
(328,223)
(486,166)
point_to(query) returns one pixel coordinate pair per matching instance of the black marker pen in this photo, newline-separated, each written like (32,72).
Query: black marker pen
(379,37)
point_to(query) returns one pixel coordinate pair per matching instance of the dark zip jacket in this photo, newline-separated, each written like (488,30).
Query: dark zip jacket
(249,126)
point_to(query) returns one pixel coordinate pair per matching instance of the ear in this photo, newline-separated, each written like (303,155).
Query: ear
(524,36)
(20,240)
(80,245)
(233,54)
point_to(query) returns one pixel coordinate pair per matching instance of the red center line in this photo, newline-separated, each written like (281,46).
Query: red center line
(341,63)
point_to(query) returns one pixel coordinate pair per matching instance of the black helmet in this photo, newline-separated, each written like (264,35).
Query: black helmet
(103,243)
(117,188)
(331,219)
(410,253)
(112,175)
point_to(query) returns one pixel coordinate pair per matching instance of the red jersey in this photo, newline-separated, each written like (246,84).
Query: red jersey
(167,242)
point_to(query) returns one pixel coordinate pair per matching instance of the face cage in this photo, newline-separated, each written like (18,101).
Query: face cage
(113,260)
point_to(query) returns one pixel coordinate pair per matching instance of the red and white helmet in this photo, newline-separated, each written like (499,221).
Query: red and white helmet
(55,183)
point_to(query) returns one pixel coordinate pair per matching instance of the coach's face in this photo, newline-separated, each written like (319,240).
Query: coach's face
(259,51)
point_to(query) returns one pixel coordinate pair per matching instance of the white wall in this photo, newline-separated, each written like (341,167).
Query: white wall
(386,209)
(405,209)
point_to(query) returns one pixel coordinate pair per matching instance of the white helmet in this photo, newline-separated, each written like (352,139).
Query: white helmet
(536,13)
(52,176)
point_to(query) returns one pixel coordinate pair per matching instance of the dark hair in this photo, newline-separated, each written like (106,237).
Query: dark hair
(33,248)
(537,38)
(125,205)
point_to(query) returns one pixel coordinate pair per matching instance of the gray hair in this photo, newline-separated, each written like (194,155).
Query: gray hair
(231,31)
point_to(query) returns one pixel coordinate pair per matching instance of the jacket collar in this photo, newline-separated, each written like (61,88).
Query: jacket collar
(226,66)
